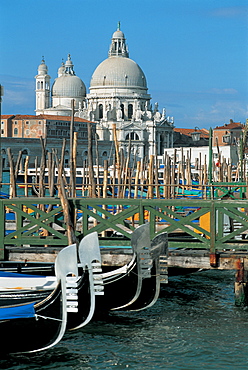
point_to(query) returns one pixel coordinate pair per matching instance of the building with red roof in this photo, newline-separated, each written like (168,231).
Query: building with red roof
(228,134)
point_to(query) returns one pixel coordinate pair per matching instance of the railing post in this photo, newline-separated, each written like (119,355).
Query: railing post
(85,218)
(19,222)
(212,254)
(152,217)
(141,213)
(2,233)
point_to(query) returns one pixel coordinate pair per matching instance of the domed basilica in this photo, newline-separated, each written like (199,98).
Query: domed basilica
(118,96)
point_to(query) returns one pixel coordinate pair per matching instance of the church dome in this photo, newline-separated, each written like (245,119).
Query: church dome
(68,86)
(118,72)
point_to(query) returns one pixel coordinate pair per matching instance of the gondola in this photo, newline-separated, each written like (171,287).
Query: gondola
(136,285)
(33,327)
(86,283)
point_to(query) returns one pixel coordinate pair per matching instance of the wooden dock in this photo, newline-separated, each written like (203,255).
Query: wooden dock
(115,256)
(40,230)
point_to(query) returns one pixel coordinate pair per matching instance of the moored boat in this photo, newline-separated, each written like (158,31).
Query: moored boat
(33,327)
(136,285)
(133,286)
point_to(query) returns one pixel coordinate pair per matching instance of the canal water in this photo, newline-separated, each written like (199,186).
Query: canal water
(194,325)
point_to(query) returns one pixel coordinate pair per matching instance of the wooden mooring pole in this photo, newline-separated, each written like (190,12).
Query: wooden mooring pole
(241,284)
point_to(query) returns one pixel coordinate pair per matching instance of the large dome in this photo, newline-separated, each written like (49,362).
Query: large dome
(68,86)
(120,72)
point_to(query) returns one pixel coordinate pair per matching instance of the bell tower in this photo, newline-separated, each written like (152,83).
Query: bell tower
(42,89)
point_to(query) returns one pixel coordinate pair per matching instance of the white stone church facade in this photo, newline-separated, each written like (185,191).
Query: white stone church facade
(118,94)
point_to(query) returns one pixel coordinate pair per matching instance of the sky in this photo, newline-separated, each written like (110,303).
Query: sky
(194,53)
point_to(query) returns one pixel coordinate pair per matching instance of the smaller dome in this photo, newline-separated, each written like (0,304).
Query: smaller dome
(42,69)
(69,86)
(118,35)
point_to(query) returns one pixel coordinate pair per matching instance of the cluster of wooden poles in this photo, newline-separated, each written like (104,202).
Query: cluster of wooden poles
(121,178)
(146,178)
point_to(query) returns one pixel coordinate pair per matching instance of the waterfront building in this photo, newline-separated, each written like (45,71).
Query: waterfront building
(189,137)
(194,144)
(118,98)
(44,125)
(228,134)
(200,154)
(23,133)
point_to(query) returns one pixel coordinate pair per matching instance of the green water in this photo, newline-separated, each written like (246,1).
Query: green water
(194,325)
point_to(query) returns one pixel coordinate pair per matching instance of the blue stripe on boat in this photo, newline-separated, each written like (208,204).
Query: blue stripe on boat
(15,275)
(17,312)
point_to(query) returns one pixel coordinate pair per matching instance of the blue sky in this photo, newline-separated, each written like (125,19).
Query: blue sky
(194,53)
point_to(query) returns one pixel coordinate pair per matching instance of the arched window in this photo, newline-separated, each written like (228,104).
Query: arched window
(16,131)
(132,136)
(100,111)
(24,152)
(41,85)
(122,111)
(38,85)
(160,144)
(104,154)
(130,111)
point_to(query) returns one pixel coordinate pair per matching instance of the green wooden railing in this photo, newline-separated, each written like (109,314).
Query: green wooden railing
(233,190)
(40,221)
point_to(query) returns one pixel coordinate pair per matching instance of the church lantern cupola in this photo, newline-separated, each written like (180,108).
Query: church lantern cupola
(118,46)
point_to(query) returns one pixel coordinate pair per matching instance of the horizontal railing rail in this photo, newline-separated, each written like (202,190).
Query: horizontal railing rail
(145,190)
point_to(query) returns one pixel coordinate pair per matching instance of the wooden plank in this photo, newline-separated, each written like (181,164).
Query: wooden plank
(200,260)
(110,256)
